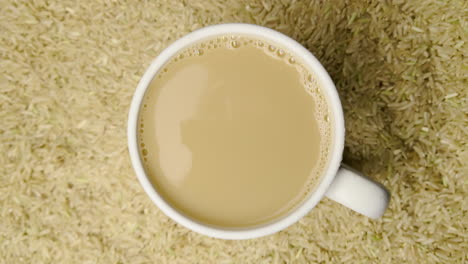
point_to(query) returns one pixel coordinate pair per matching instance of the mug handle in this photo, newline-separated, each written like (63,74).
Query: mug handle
(355,191)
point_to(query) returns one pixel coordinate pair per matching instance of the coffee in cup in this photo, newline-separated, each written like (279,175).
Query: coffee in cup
(234,131)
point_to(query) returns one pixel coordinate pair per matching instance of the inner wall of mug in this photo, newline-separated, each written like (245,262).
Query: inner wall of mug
(325,84)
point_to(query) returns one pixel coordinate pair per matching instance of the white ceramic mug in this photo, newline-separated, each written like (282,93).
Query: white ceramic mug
(338,183)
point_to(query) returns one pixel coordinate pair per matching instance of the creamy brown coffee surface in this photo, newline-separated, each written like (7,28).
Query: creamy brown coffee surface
(234,132)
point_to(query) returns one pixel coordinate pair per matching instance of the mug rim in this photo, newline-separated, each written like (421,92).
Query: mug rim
(327,86)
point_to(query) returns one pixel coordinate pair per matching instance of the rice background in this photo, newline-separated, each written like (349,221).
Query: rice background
(68,69)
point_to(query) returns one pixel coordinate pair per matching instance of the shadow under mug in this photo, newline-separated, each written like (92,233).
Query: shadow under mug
(339,183)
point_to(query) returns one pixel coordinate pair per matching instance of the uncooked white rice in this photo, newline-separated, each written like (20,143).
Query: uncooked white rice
(67,73)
